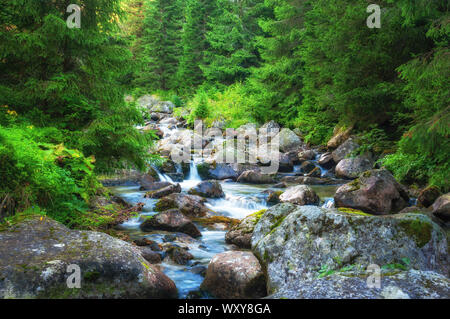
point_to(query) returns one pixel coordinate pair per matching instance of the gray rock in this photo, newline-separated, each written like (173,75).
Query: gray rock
(352,167)
(300,195)
(316,241)
(288,140)
(235,274)
(171,220)
(441,207)
(179,255)
(35,255)
(307,155)
(326,160)
(348,147)
(412,284)
(151,256)
(188,205)
(241,234)
(255,177)
(170,189)
(208,189)
(374,192)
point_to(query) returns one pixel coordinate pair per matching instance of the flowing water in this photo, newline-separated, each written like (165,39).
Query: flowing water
(240,201)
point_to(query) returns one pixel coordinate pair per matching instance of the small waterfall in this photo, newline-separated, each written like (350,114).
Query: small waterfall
(193,172)
(162,177)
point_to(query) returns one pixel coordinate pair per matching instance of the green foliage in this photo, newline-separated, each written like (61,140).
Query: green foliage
(70,78)
(200,108)
(37,173)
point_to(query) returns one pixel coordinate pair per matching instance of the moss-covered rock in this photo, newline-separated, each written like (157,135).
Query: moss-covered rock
(35,255)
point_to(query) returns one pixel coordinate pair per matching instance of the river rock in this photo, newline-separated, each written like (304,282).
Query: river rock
(190,205)
(352,167)
(153,186)
(326,160)
(348,147)
(241,234)
(170,189)
(208,189)
(151,256)
(428,196)
(300,195)
(307,155)
(285,164)
(163,107)
(271,126)
(255,177)
(35,255)
(299,244)
(288,140)
(374,192)
(412,284)
(340,135)
(316,172)
(307,167)
(305,180)
(441,207)
(171,220)
(235,275)
(220,171)
(179,255)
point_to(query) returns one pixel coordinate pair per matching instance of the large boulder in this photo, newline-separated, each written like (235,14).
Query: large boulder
(241,234)
(347,148)
(170,220)
(340,135)
(190,205)
(374,192)
(35,255)
(255,177)
(288,140)
(209,189)
(352,167)
(298,245)
(170,189)
(235,275)
(300,195)
(441,207)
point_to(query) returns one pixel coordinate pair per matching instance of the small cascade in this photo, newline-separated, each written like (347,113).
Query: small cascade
(193,177)
(162,177)
(237,206)
(323,171)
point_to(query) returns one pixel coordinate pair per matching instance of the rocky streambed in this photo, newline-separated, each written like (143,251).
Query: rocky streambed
(328,224)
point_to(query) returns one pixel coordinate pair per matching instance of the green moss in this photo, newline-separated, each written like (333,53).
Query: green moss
(259,214)
(352,211)
(277,222)
(419,230)
(163,205)
(91,276)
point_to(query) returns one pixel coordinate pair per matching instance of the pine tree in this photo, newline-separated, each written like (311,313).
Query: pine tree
(194,43)
(275,86)
(160,44)
(232,46)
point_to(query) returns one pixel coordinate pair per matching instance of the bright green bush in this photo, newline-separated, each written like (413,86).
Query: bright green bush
(35,173)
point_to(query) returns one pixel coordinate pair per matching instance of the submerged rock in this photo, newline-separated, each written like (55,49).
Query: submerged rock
(300,244)
(35,255)
(171,220)
(209,189)
(374,192)
(179,255)
(300,195)
(234,275)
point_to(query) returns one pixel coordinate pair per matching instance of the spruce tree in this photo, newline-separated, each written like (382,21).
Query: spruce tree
(160,43)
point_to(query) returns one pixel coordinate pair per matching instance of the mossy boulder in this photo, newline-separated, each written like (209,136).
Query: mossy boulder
(171,220)
(300,244)
(241,234)
(35,255)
